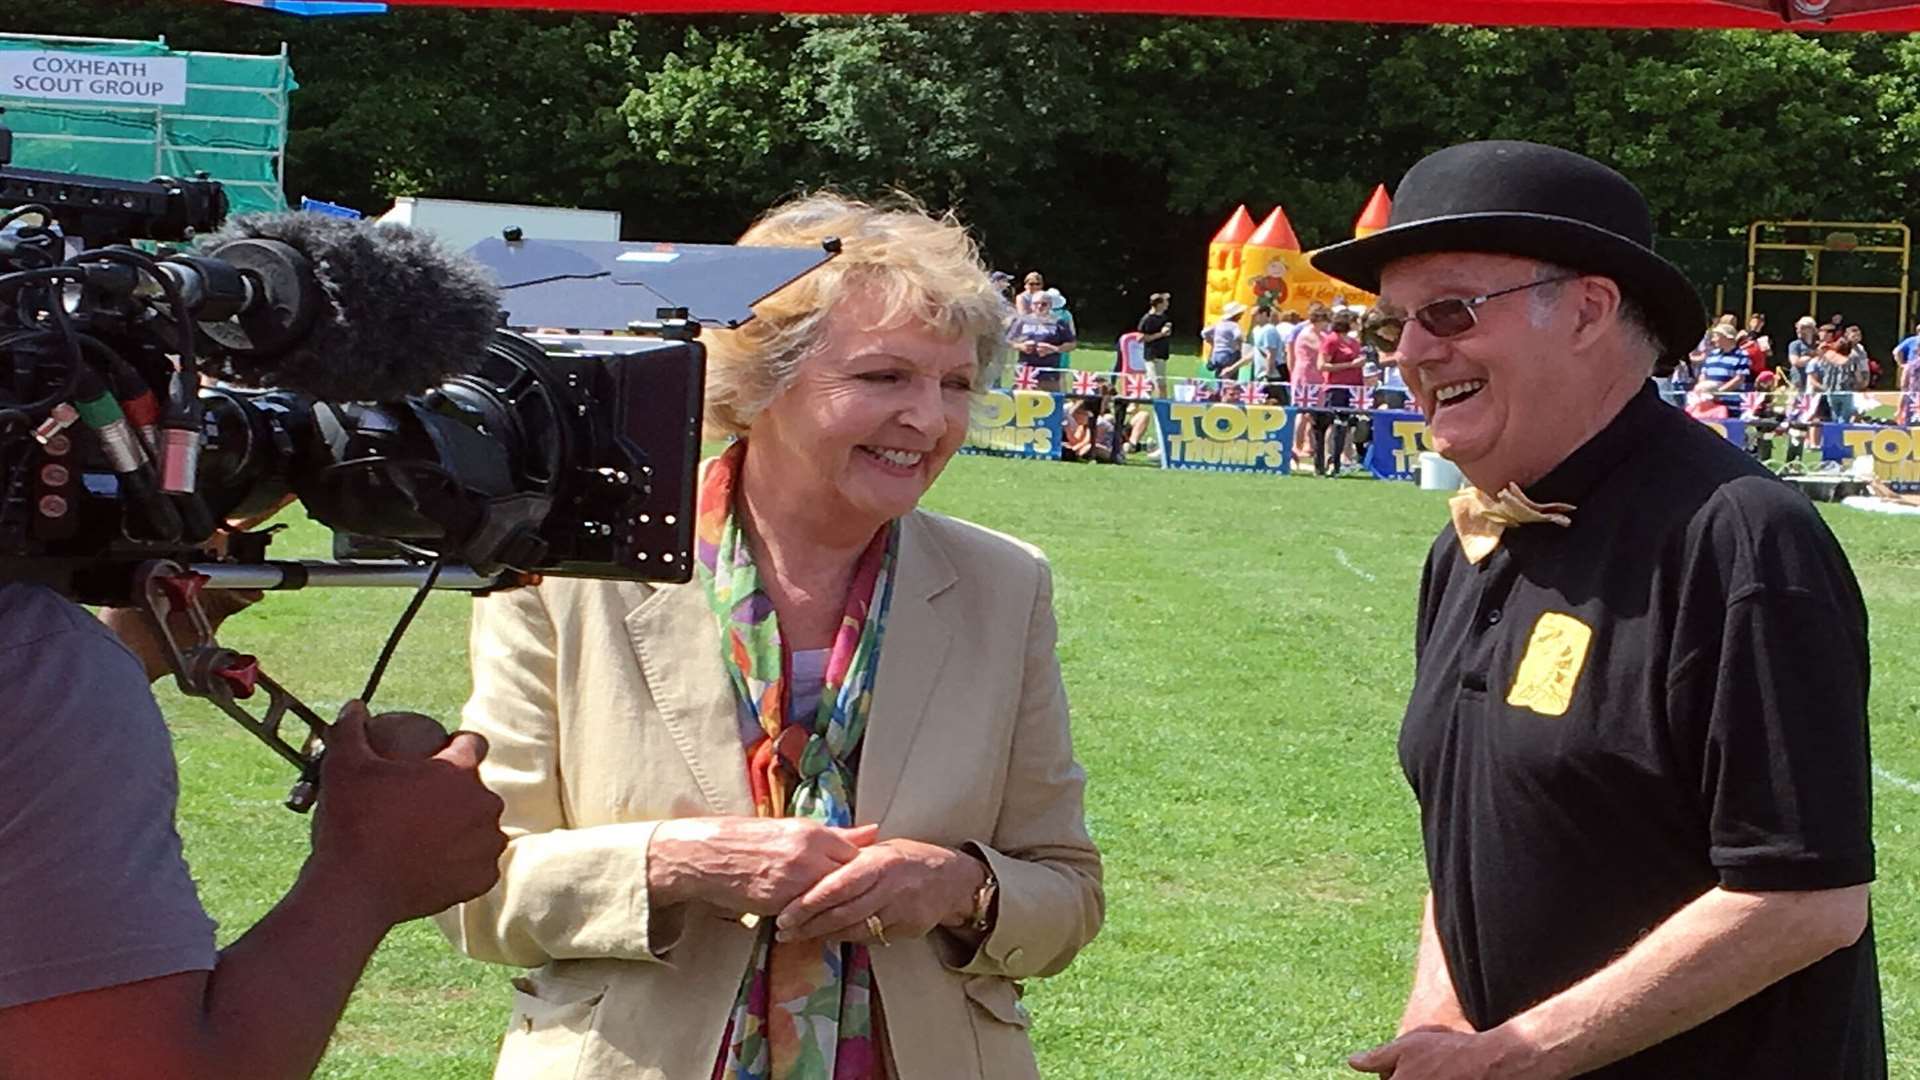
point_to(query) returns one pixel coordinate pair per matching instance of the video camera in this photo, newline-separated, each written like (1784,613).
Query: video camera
(155,402)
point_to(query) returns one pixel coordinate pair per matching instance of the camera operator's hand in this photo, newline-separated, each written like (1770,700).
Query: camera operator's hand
(136,631)
(403,837)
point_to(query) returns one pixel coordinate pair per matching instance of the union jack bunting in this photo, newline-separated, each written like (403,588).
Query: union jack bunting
(1085,382)
(1805,408)
(1309,395)
(1230,392)
(1904,412)
(1364,399)
(1136,386)
(1027,378)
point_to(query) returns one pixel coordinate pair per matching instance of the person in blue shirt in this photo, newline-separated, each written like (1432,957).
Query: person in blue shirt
(1802,351)
(1057,303)
(1226,342)
(1725,369)
(1266,349)
(1906,353)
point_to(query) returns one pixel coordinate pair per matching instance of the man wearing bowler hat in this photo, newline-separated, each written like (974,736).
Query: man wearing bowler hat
(1638,730)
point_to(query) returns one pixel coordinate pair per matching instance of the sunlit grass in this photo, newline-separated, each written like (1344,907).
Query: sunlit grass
(1238,651)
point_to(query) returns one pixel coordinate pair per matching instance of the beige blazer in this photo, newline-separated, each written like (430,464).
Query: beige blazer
(608,710)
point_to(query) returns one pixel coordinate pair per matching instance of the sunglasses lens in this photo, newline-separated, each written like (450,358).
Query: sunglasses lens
(1382,331)
(1446,318)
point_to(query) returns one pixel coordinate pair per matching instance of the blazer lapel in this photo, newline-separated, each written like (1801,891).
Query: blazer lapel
(678,646)
(912,652)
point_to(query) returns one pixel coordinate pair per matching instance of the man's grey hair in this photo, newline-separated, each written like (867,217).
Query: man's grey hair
(1633,318)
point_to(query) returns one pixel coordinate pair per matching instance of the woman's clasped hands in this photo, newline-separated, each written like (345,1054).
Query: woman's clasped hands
(821,882)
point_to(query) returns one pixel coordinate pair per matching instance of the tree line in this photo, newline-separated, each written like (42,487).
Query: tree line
(1104,150)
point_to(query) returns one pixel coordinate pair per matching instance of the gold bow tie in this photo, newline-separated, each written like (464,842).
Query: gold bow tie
(1480,518)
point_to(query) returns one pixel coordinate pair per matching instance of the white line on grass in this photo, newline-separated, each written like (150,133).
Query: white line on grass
(1340,554)
(1900,782)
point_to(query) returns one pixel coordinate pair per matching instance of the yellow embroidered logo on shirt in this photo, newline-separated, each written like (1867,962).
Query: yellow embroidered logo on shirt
(1551,667)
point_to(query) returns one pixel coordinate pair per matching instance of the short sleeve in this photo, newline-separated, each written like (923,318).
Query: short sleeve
(94,889)
(1786,776)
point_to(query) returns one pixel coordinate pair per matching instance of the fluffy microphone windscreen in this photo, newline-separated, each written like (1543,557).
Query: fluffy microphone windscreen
(398,314)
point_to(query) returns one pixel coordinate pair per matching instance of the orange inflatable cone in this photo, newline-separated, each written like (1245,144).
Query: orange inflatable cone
(1275,233)
(1223,261)
(1375,216)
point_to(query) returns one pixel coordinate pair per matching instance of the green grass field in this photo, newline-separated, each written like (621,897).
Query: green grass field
(1237,649)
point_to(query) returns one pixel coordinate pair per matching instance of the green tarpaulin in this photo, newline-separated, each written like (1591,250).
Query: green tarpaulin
(232,124)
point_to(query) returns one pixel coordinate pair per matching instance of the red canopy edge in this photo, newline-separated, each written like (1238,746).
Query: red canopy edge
(1643,14)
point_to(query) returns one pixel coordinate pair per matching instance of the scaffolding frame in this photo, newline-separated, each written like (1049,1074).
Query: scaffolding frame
(160,117)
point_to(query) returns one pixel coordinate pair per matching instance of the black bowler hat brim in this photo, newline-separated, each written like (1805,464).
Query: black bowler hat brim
(1656,285)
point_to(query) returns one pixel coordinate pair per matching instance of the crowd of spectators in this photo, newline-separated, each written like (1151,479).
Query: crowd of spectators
(1042,333)
(1329,363)
(1823,376)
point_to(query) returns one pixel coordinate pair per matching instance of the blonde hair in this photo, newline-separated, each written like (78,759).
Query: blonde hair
(920,268)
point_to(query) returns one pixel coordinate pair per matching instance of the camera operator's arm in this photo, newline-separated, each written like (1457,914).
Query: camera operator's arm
(564,891)
(107,967)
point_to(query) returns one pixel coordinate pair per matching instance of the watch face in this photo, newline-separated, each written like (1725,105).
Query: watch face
(983,902)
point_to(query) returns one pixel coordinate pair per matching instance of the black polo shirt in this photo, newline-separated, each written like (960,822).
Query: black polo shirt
(1152,323)
(1610,719)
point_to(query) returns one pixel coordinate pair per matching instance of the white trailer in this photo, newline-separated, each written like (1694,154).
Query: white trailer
(460,224)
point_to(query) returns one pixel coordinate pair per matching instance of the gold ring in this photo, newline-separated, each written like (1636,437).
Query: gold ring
(877,929)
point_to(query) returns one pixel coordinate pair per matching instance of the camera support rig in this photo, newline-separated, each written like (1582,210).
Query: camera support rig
(203,668)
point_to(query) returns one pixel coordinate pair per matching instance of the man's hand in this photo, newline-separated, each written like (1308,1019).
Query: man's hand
(746,865)
(912,887)
(1438,1053)
(136,631)
(403,837)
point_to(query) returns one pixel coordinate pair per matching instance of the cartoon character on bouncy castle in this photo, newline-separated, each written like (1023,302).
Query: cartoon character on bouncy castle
(1270,288)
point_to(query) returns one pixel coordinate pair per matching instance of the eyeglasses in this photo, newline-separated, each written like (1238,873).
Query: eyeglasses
(1451,317)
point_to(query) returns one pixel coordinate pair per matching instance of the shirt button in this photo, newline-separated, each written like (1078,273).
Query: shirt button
(1493,617)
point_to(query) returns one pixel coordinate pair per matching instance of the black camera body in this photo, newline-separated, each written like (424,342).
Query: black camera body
(155,407)
(118,446)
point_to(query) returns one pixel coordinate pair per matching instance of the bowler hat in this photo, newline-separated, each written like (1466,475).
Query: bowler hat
(1541,202)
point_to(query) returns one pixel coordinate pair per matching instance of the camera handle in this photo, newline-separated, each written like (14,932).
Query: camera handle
(203,668)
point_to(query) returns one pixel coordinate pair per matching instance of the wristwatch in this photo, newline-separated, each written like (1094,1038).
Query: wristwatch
(984,898)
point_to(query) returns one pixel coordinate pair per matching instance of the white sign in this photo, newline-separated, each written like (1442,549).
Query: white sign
(74,76)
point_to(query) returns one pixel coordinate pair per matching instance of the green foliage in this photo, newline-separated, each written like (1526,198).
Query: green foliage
(1719,129)
(1104,150)
(717,112)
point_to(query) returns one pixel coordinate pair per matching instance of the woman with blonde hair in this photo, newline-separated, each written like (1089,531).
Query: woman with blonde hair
(811,814)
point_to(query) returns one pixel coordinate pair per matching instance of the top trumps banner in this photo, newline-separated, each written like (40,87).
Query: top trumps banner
(1397,442)
(78,76)
(1020,423)
(1895,451)
(1224,437)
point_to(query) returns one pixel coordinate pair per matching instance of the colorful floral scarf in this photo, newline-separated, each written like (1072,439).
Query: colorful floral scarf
(804,1011)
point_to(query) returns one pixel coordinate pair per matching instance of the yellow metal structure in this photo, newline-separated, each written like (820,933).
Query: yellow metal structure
(1846,237)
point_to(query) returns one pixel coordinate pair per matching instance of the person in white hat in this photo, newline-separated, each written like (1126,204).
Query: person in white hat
(1227,342)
